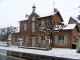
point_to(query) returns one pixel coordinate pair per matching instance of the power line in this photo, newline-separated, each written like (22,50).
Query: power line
(42,4)
(69,9)
(33,3)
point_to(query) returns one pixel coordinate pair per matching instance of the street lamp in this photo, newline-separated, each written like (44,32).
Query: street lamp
(50,28)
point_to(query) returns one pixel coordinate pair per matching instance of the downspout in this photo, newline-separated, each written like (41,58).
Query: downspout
(71,40)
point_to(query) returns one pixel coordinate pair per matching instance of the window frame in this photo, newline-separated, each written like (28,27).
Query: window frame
(25,40)
(16,37)
(43,39)
(61,40)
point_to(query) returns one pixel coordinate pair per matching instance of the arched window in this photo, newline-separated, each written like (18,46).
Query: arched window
(42,24)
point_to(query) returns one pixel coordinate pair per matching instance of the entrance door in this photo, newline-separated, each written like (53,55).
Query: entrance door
(33,41)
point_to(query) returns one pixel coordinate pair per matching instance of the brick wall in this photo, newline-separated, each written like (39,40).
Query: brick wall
(28,32)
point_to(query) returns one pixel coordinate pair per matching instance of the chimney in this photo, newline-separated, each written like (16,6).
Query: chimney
(55,9)
(79,17)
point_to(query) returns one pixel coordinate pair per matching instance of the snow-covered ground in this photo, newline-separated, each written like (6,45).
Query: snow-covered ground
(3,43)
(57,52)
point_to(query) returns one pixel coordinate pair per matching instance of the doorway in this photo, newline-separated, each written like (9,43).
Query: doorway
(33,42)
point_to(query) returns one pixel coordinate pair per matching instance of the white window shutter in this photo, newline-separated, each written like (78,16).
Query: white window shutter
(39,39)
(23,39)
(65,39)
(14,38)
(45,39)
(56,39)
(27,39)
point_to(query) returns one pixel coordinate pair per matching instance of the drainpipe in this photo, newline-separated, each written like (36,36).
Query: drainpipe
(71,40)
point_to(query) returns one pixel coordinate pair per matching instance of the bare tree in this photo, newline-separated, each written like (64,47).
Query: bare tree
(8,30)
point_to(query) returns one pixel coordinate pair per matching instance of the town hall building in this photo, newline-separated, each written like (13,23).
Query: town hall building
(31,37)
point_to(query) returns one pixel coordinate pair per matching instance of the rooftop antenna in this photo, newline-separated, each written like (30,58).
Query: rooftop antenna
(53,5)
(55,9)
(34,3)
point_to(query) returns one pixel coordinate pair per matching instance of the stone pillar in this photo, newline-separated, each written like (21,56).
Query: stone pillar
(47,45)
(19,43)
(9,42)
(78,45)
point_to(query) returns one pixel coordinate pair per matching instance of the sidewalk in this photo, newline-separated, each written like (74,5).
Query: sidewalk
(57,52)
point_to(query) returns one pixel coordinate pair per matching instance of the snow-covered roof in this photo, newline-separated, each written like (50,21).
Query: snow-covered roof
(76,19)
(57,52)
(69,26)
(46,15)
(25,19)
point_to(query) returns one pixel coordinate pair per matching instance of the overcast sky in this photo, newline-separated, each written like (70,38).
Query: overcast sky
(12,11)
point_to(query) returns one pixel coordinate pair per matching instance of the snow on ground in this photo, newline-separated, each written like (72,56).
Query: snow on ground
(3,43)
(57,52)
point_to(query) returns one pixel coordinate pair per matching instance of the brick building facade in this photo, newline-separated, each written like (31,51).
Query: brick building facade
(32,37)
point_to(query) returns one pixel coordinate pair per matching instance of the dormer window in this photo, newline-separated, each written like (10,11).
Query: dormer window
(25,26)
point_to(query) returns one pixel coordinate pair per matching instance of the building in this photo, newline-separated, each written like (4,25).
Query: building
(32,37)
(75,20)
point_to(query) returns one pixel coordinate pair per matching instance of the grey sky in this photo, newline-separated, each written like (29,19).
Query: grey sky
(12,11)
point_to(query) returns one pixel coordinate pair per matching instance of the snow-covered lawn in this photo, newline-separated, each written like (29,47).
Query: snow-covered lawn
(57,52)
(3,43)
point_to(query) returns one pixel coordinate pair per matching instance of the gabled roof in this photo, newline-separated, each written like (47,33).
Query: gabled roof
(23,20)
(47,15)
(51,14)
(44,16)
(76,20)
(69,27)
(27,18)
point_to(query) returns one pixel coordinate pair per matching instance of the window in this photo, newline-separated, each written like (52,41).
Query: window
(25,26)
(42,24)
(33,27)
(16,39)
(25,39)
(61,39)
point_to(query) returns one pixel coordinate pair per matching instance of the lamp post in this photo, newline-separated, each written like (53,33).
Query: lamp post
(50,28)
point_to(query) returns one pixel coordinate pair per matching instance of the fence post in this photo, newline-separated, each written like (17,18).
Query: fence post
(47,45)
(9,42)
(19,42)
(77,45)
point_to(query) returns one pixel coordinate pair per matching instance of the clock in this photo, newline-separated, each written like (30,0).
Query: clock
(33,18)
